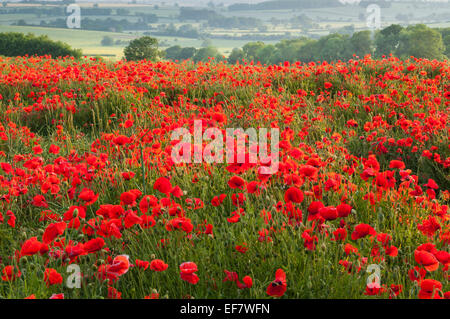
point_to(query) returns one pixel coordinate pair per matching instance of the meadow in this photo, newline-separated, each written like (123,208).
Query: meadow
(358,207)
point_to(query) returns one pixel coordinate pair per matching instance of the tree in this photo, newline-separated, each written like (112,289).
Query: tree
(421,41)
(173,52)
(107,41)
(235,55)
(142,48)
(361,43)
(204,54)
(251,49)
(387,40)
(187,53)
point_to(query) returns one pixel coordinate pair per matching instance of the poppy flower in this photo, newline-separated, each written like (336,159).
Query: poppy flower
(293,194)
(52,277)
(11,219)
(53,149)
(30,247)
(328,213)
(190,278)
(119,266)
(430,289)
(236,182)
(142,264)
(188,267)
(158,265)
(121,140)
(278,287)
(431,184)
(313,210)
(52,231)
(128,198)
(88,196)
(9,273)
(426,259)
(188,270)
(247,282)
(344,210)
(39,201)
(373,289)
(94,245)
(163,185)
(397,164)
(363,230)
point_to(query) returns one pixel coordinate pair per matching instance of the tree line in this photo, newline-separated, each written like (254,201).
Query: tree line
(416,40)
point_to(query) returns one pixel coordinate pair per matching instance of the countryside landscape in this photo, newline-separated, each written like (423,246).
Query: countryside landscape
(287,149)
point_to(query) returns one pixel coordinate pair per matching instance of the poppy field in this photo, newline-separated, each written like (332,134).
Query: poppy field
(93,205)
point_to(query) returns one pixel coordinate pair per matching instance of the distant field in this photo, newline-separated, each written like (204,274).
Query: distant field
(89,41)
(326,20)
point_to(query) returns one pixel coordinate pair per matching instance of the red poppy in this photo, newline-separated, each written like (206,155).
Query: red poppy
(163,185)
(188,270)
(158,265)
(52,277)
(278,287)
(52,231)
(119,266)
(142,264)
(430,289)
(236,182)
(30,247)
(426,259)
(10,273)
(88,196)
(94,245)
(344,210)
(363,230)
(328,213)
(293,194)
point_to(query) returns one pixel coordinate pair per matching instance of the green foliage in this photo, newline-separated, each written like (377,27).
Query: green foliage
(204,54)
(421,41)
(387,40)
(176,52)
(18,44)
(144,48)
(107,41)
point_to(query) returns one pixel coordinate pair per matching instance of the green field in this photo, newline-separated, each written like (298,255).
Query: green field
(325,20)
(88,41)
